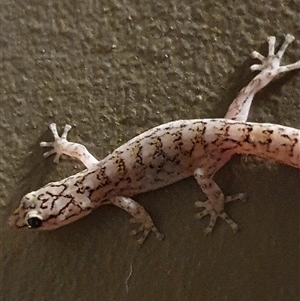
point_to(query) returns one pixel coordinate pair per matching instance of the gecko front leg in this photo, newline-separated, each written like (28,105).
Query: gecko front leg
(140,216)
(62,146)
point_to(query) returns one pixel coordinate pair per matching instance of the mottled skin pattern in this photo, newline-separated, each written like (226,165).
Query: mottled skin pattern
(161,156)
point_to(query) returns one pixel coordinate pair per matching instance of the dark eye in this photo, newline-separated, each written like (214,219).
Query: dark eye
(34,222)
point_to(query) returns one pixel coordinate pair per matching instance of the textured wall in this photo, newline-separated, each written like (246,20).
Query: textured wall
(114,69)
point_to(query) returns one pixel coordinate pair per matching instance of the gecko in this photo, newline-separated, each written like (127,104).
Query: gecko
(161,156)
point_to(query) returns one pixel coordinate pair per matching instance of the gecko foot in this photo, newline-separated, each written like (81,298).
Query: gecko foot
(139,216)
(272,61)
(145,230)
(58,142)
(62,146)
(216,209)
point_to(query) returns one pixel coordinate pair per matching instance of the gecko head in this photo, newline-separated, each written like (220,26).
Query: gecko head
(29,213)
(47,211)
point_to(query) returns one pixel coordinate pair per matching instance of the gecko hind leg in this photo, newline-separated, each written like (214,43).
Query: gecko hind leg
(214,206)
(269,69)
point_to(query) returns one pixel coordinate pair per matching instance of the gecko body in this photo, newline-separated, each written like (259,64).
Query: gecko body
(161,156)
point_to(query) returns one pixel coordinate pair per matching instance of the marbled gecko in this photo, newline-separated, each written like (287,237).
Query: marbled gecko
(161,156)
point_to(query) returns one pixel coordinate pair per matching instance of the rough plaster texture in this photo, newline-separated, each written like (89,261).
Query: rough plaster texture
(115,69)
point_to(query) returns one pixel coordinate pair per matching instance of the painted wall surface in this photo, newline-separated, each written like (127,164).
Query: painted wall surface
(113,69)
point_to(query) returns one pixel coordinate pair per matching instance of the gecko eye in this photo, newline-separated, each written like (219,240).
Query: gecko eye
(34,222)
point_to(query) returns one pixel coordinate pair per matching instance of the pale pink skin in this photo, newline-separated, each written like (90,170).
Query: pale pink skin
(161,156)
